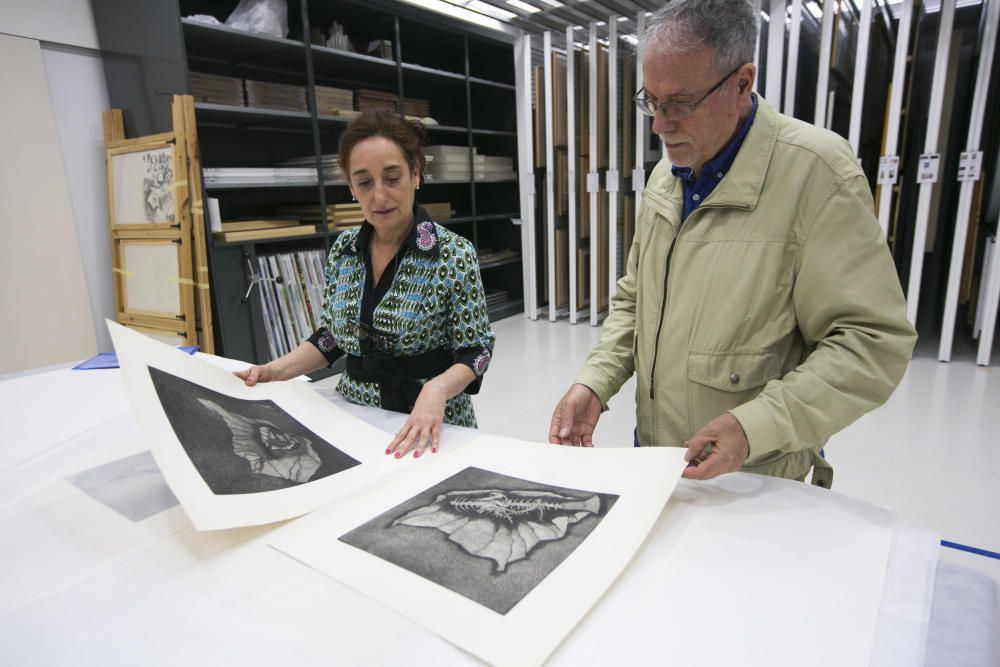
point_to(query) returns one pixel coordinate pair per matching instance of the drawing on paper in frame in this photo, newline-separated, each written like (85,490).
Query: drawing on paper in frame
(143,186)
(244,446)
(489,537)
(131,486)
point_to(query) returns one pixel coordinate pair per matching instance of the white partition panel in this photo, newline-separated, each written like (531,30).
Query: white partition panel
(860,71)
(775,52)
(823,75)
(612,176)
(574,307)
(990,302)
(927,180)
(895,106)
(756,50)
(792,69)
(550,159)
(593,178)
(972,145)
(525,159)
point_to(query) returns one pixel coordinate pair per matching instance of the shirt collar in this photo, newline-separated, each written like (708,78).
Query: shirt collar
(422,237)
(719,165)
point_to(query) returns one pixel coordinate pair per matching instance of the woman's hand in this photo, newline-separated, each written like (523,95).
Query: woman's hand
(423,427)
(255,374)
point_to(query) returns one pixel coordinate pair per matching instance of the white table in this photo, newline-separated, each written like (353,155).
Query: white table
(80,590)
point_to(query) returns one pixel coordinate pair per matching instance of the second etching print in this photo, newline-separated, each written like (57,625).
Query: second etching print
(488,537)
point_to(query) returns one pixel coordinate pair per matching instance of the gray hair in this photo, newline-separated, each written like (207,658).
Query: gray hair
(727,27)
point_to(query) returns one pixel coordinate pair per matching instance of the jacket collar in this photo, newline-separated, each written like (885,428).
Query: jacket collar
(742,185)
(422,237)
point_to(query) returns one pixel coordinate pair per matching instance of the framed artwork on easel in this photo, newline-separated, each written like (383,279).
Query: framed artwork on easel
(151,277)
(146,184)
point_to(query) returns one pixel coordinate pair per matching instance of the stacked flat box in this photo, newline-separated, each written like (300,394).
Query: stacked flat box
(375,99)
(450,163)
(333,100)
(439,212)
(331,167)
(215,89)
(268,95)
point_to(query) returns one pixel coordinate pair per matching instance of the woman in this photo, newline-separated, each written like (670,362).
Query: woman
(403,301)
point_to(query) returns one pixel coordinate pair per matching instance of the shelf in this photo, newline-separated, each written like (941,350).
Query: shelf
(225,114)
(506,309)
(286,239)
(447,128)
(495,133)
(236,47)
(498,216)
(456,181)
(334,64)
(493,84)
(271,184)
(506,262)
(427,79)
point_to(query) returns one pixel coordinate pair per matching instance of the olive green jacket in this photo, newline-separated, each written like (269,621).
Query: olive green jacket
(776,301)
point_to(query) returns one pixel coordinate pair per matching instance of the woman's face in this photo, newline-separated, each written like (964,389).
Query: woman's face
(381,181)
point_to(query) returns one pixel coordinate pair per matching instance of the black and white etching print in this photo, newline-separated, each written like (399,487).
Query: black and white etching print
(132,486)
(157,185)
(488,537)
(242,446)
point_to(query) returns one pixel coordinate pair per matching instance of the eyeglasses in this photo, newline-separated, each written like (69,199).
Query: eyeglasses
(649,105)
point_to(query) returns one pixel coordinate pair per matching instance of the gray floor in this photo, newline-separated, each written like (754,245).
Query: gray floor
(931,453)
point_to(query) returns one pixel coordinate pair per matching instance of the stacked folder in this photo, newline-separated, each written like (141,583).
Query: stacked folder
(268,95)
(331,100)
(215,89)
(255,230)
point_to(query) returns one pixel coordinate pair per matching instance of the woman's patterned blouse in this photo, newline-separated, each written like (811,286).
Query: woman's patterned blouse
(436,300)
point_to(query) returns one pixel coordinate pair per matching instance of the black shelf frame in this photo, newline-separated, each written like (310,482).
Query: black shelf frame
(219,49)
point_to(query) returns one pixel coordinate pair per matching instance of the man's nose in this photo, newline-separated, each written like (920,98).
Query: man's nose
(662,124)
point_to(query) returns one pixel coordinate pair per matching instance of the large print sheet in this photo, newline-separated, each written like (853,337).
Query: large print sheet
(235,455)
(500,547)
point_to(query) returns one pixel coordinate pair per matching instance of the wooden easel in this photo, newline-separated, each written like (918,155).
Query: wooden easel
(191,322)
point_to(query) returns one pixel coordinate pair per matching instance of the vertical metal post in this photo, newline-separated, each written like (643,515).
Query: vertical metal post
(860,72)
(775,51)
(639,174)
(314,118)
(931,147)
(550,204)
(895,106)
(574,307)
(792,70)
(823,75)
(526,191)
(612,176)
(972,145)
(756,50)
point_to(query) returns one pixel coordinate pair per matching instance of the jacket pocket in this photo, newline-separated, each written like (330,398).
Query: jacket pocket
(720,381)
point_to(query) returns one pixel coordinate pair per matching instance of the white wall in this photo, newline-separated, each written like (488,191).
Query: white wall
(43,294)
(68,22)
(79,95)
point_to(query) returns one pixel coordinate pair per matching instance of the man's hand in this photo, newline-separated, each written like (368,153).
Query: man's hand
(730,448)
(575,418)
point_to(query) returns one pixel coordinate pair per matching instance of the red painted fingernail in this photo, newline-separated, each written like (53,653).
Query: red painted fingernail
(388,451)
(416,454)
(434,450)
(398,454)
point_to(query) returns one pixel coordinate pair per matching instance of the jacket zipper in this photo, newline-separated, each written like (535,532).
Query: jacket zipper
(663,309)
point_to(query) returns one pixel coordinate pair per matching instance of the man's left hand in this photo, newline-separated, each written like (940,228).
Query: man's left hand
(729,448)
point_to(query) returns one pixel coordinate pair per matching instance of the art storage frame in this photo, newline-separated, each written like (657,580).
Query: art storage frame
(151,277)
(147,184)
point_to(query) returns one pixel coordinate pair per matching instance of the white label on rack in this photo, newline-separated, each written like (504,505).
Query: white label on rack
(639,179)
(970,165)
(888,170)
(612,180)
(593,182)
(927,169)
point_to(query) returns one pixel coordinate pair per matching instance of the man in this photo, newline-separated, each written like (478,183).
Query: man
(760,308)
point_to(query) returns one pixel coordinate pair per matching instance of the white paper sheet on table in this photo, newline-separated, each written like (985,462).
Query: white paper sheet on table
(207,509)
(527,632)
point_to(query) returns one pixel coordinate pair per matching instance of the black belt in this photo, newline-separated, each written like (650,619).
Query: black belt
(398,377)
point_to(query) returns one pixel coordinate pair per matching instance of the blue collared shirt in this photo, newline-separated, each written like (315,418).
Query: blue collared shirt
(696,190)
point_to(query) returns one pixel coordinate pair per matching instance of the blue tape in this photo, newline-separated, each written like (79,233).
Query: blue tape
(971,550)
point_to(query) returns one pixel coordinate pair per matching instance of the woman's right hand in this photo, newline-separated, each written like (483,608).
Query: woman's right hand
(255,374)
